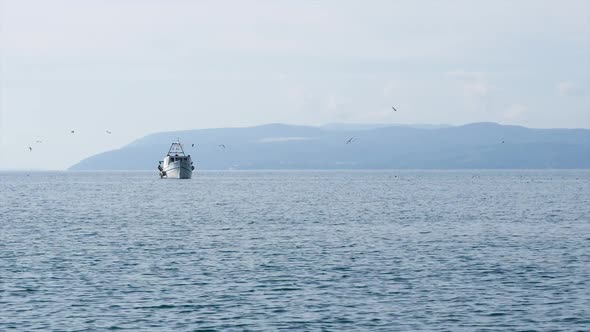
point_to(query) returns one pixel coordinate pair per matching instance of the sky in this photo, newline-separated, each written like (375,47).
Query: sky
(135,67)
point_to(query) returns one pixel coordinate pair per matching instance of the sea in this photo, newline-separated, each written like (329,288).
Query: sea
(468,250)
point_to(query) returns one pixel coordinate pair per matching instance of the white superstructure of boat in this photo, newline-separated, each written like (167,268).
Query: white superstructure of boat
(177,164)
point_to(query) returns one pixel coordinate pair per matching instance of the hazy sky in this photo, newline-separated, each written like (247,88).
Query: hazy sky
(135,67)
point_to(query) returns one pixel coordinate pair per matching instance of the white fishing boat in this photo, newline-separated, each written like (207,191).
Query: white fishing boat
(177,164)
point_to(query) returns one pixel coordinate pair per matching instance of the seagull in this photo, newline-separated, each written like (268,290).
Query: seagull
(193,145)
(72,131)
(38,141)
(502,141)
(108,132)
(30,149)
(393,108)
(222,146)
(350,140)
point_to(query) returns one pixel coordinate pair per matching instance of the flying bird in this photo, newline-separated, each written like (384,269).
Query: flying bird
(393,108)
(72,131)
(350,140)
(193,145)
(222,146)
(30,149)
(108,132)
(38,141)
(502,141)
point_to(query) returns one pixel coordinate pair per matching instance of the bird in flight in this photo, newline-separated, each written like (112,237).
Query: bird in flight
(193,145)
(502,141)
(350,140)
(38,141)
(108,132)
(72,131)
(222,146)
(30,149)
(393,108)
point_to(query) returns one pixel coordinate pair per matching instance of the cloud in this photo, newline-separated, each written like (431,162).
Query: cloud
(336,102)
(378,115)
(569,89)
(389,89)
(475,84)
(285,139)
(516,113)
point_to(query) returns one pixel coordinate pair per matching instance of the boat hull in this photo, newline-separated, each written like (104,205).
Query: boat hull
(178,171)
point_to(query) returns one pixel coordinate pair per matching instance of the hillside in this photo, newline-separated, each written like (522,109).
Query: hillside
(277,146)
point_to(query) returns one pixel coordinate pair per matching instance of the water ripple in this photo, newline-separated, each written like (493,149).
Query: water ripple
(383,251)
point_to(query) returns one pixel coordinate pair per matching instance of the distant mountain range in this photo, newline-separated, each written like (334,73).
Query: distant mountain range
(278,146)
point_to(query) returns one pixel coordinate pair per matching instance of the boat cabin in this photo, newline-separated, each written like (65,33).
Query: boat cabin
(172,159)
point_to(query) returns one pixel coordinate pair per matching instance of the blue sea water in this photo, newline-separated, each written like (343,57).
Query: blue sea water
(332,251)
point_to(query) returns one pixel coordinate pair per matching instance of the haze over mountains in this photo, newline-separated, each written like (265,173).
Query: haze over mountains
(278,146)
